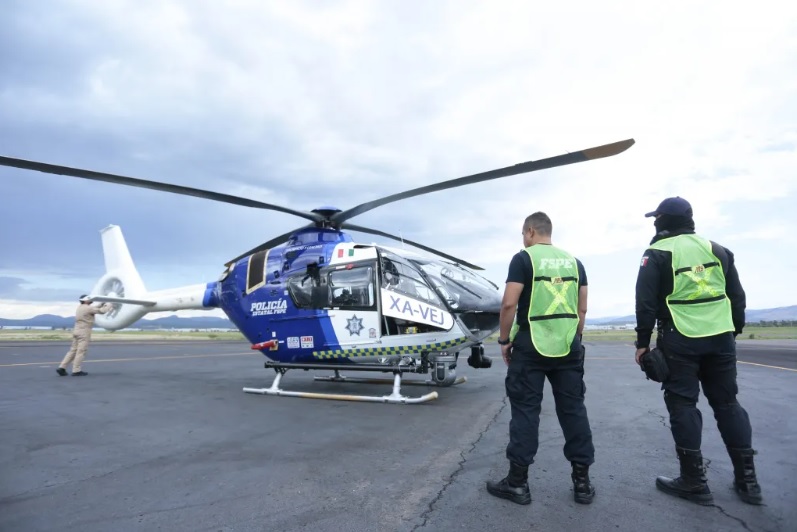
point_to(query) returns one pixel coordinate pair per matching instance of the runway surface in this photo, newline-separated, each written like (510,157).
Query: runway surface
(160,436)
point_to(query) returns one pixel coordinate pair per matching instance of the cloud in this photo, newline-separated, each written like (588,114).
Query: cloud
(19,289)
(306,104)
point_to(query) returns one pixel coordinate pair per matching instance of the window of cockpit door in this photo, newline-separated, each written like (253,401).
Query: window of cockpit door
(353,287)
(310,290)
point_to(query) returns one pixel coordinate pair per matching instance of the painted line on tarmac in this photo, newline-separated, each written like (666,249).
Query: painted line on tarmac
(738,361)
(765,365)
(11,344)
(133,359)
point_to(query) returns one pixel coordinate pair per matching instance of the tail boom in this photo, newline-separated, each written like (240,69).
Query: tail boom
(122,287)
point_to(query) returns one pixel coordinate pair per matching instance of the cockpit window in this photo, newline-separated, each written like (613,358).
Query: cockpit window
(311,237)
(404,278)
(326,288)
(352,288)
(460,288)
(309,290)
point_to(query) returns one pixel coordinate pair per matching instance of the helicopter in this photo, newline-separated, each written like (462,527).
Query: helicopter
(314,299)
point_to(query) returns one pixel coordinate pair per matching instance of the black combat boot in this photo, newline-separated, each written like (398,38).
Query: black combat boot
(515,486)
(744,476)
(583,490)
(692,484)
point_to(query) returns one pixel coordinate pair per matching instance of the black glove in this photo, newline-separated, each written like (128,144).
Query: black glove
(654,365)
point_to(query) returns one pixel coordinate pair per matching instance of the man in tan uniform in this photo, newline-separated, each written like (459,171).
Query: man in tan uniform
(81,334)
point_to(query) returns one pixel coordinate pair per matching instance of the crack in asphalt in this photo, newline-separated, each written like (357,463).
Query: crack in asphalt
(707,464)
(460,467)
(726,514)
(662,419)
(17,497)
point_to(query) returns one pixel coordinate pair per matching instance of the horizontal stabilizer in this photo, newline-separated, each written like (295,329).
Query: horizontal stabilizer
(123,289)
(107,299)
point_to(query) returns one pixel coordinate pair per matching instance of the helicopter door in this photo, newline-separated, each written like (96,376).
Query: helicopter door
(354,313)
(409,304)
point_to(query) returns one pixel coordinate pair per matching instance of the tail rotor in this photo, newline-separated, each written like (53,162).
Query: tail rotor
(122,287)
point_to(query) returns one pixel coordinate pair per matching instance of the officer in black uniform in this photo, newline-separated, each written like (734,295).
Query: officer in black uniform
(547,289)
(691,286)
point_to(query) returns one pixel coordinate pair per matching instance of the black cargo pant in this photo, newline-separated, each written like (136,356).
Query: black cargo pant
(711,363)
(525,380)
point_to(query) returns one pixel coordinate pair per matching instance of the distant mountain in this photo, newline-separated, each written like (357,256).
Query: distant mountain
(772,314)
(167,322)
(42,320)
(175,322)
(213,322)
(752,316)
(612,320)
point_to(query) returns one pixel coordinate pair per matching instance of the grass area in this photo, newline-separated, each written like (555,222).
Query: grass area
(44,335)
(768,333)
(614,335)
(751,332)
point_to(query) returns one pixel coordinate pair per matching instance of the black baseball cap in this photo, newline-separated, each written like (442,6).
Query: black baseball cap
(676,206)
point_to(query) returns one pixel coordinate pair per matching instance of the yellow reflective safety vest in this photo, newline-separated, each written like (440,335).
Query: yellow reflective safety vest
(553,310)
(698,303)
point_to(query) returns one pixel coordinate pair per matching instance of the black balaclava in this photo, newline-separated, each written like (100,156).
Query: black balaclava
(671,222)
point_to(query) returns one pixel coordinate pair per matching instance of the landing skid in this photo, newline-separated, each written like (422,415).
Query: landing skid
(429,382)
(395,397)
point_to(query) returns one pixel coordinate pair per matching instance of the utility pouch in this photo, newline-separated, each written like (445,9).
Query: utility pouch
(654,365)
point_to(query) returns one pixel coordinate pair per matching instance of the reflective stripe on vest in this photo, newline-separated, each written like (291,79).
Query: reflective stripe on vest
(553,317)
(698,304)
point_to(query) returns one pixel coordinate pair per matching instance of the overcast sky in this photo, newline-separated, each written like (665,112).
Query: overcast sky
(306,104)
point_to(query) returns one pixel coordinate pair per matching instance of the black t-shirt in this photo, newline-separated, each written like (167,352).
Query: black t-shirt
(522,271)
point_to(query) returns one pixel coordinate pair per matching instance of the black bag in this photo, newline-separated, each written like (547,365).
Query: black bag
(654,365)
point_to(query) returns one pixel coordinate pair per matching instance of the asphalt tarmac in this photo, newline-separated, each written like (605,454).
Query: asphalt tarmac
(160,436)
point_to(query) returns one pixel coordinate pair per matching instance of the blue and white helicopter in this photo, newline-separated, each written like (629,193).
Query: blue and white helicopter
(313,299)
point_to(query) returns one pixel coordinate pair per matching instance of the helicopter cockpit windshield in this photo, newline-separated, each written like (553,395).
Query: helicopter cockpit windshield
(401,276)
(463,290)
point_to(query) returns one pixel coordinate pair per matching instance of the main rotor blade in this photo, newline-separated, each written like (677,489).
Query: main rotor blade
(267,245)
(410,242)
(598,152)
(154,185)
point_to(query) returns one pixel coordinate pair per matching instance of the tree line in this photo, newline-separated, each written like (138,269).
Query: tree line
(775,323)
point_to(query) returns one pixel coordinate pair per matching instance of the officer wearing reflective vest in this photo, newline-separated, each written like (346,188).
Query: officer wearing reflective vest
(542,318)
(689,288)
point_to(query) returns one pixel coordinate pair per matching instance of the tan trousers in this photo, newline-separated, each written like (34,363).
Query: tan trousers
(76,353)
